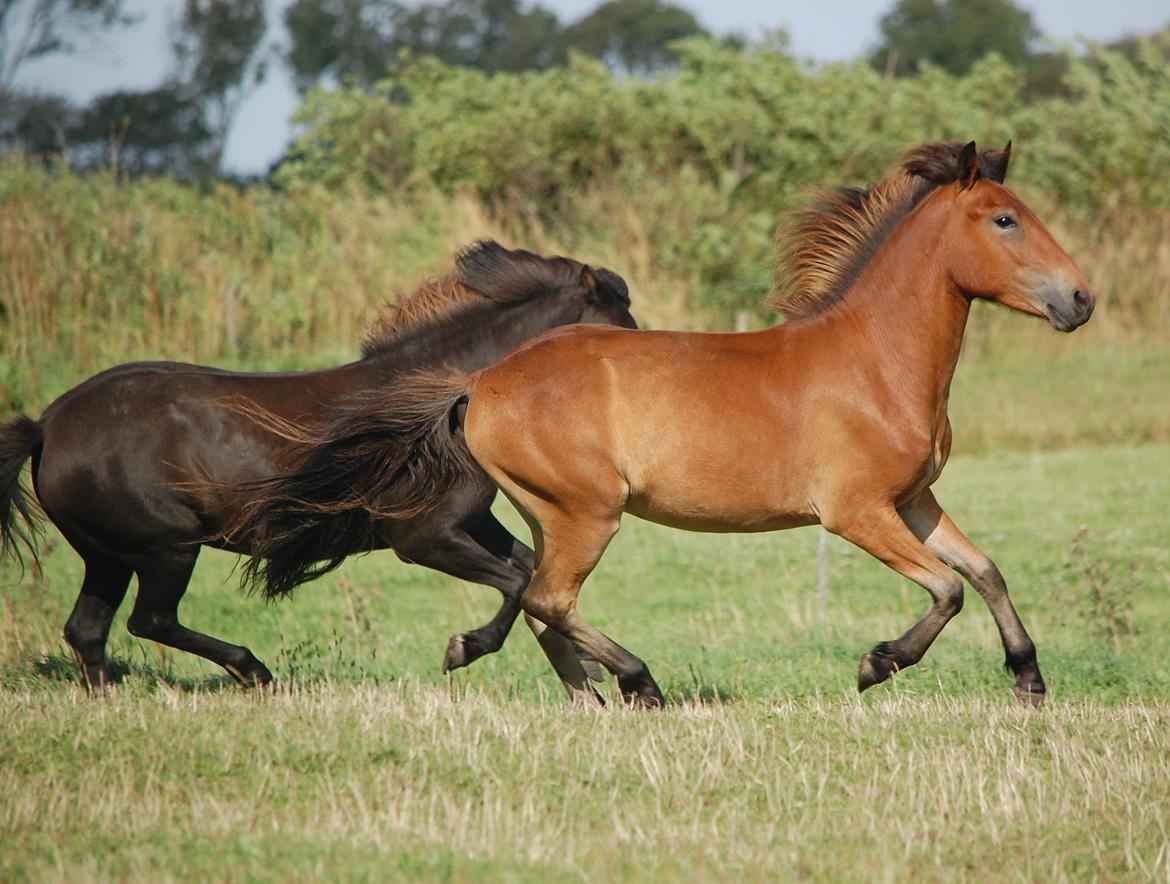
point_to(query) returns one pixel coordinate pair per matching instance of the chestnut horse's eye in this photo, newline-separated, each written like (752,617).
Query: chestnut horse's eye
(1005,222)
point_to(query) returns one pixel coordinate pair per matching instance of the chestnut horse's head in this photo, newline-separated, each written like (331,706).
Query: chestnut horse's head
(1004,253)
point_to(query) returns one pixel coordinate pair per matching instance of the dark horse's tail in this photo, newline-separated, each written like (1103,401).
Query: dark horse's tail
(19,439)
(393,452)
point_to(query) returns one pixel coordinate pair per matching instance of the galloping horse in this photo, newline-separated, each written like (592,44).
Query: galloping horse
(143,463)
(838,416)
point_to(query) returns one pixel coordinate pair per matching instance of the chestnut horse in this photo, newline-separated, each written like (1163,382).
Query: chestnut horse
(142,464)
(838,416)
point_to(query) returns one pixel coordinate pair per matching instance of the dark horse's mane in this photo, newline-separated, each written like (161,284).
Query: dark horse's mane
(485,273)
(826,244)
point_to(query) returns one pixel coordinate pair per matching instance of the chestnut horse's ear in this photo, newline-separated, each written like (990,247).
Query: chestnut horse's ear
(589,284)
(969,171)
(996,163)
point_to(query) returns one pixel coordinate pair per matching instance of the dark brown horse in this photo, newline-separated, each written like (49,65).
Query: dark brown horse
(838,416)
(143,463)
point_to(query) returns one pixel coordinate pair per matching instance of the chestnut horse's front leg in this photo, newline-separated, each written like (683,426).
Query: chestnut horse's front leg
(940,535)
(882,533)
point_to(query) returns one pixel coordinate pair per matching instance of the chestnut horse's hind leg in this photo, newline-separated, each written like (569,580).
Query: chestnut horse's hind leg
(569,549)
(886,536)
(88,626)
(928,521)
(161,585)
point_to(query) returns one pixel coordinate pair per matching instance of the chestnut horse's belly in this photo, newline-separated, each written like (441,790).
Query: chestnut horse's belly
(697,516)
(736,476)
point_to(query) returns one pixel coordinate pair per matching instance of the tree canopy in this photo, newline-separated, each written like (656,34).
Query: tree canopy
(361,40)
(952,34)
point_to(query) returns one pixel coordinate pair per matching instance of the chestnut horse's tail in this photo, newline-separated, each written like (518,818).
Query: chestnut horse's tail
(392,452)
(19,439)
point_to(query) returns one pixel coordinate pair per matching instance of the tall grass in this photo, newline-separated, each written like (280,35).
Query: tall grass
(94,272)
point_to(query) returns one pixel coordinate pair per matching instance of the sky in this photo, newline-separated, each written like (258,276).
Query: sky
(822,30)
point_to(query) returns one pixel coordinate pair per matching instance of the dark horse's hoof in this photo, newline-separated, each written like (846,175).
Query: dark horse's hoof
(1030,695)
(256,675)
(876,666)
(462,650)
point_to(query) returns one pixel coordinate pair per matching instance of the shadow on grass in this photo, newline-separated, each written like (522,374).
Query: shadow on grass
(53,670)
(60,668)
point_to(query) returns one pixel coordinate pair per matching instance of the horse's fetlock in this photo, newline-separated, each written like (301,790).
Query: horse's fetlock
(1021,657)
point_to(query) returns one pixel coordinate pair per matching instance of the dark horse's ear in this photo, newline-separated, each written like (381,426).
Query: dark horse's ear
(589,283)
(969,171)
(996,163)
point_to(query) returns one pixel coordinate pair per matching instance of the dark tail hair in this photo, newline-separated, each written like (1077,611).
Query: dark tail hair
(18,440)
(392,452)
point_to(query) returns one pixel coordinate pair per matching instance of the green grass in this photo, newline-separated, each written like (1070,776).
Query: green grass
(371,765)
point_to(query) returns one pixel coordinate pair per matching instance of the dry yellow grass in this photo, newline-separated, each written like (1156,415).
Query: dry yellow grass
(415,781)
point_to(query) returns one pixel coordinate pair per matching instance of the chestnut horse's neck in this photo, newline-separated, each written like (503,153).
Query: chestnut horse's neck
(903,317)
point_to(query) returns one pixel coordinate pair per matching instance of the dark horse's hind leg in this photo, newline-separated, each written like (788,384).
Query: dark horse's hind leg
(161,585)
(484,552)
(480,551)
(88,627)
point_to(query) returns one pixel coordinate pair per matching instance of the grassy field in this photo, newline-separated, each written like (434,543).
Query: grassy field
(371,765)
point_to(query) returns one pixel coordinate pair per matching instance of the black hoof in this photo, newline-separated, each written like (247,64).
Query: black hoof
(256,675)
(642,693)
(875,667)
(98,681)
(1030,694)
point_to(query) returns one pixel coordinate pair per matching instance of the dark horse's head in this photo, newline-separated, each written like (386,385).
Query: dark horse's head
(601,294)
(488,279)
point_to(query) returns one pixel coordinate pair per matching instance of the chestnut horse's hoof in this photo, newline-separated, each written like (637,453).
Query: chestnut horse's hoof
(641,692)
(647,700)
(1030,695)
(876,666)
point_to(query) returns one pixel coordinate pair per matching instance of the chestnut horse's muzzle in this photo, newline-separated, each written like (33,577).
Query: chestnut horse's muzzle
(1069,312)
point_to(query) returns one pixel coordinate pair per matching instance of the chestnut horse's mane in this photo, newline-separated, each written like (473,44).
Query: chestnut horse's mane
(485,273)
(825,245)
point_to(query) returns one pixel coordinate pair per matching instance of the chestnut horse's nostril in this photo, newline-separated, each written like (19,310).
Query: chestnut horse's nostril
(1080,299)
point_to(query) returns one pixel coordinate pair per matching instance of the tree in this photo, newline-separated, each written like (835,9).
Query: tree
(339,39)
(952,34)
(219,61)
(491,35)
(31,29)
(157,131)
(362,39)
(37,124)
(633,36)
